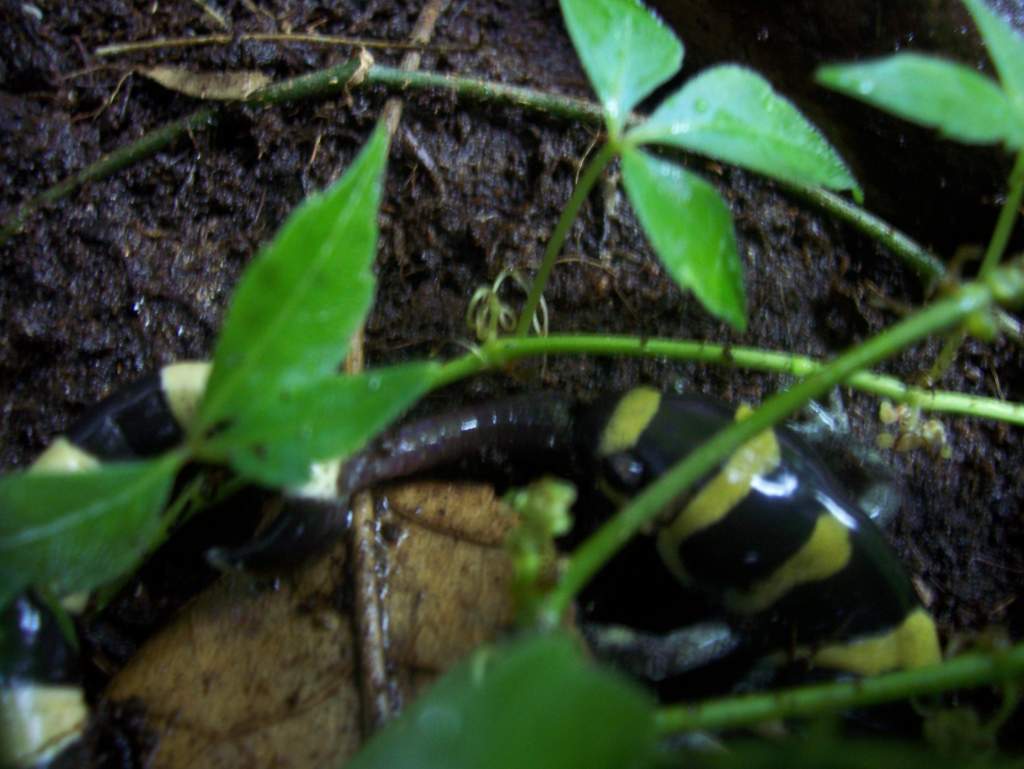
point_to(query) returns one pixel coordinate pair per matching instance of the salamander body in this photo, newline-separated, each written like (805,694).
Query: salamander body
(771,533)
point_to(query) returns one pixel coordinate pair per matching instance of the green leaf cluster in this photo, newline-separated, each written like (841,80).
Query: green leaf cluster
(956,99)
(728,113)
(288,326)
(274,404)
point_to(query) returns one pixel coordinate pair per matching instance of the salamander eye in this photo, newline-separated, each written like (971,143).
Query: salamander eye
(625,472)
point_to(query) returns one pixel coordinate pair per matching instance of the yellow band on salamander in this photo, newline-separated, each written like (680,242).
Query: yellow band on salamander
(913,643)
(632,414)
(826,552)
(758,456)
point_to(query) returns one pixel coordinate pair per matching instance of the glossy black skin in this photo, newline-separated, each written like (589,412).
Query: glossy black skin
(132,423)
(873,593)
(303,528)
(35,651)
(529,423)
(32,646)
(756,536)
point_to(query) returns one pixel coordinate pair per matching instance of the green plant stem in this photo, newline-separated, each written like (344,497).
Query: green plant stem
(1007,218)
(333,79)
(148,145)
(1006,284)
(928,267)
(556,105)
(336,79)
(918,258)
(503,351)
(729,712)
(142,46)
(590,175)
(323,82)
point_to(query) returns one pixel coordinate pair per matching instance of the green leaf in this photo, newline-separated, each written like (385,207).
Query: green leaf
(733,114)
(933,92)
(330,419)
(303,296)
(626,51)
(691,230)
(69,532)
(533,703)
(1006,47)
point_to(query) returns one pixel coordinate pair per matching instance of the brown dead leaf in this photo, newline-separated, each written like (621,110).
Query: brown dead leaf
(449,581)
(215,86)
(248,676)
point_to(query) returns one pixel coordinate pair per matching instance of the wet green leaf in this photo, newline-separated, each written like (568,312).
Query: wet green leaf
(533,703)
(690,228)
(1006,47)
(733,114)
(961,103)
(333,418)
(626,51)
(70,532)
(303,296)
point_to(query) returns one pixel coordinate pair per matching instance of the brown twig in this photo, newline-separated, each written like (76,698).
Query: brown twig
(322,83)
(380,698)
(117,49)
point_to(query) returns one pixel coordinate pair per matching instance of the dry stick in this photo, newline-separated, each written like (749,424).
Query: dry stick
(213,13)
(380,698)
(116,49)
(334,79)
(322,83)
(331,80)
(375,700)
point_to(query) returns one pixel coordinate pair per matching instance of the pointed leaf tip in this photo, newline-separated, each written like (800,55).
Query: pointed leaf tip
(314,282)
(958,101)
(733,114)
(626,52)
(691,230)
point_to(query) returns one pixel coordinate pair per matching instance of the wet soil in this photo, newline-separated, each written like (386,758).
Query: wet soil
(134,271)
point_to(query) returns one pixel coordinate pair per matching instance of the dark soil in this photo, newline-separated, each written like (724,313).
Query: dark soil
(135,271)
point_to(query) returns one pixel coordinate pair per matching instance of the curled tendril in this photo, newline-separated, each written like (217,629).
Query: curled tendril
(487,315)
(472,349)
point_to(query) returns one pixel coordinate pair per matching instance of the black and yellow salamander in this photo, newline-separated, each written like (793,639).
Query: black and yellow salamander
(772,534)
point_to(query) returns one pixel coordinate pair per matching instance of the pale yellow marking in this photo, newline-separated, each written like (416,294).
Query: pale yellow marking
(630,418)
(38,721)
(758,456)
(183,385)
(75,603)
(322,483)
(912,644)
(62,456)
(825,553)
